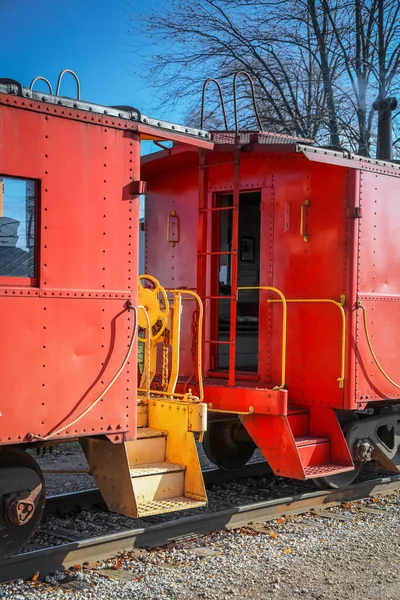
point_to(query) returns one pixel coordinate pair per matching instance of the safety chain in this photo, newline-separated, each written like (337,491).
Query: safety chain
(165,367)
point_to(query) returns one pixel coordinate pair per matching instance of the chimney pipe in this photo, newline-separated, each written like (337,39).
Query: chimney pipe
(384,146)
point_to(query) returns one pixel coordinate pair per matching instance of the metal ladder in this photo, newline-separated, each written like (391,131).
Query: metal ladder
(203,251)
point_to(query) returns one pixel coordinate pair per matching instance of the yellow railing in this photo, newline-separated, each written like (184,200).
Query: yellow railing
(284,323)
(343,316)
(371,349)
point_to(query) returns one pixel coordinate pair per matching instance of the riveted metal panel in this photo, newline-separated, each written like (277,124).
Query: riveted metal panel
(65,336)
(378,287)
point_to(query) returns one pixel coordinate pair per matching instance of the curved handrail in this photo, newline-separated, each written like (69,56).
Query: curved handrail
(221,96)
(75,76)
(41,79)
(371,349)
(343,317)
(252,96)
(284,323)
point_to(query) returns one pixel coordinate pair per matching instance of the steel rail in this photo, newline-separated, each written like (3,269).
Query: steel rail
(99,548)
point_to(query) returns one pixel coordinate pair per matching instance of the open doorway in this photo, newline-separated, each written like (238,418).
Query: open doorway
(248,275)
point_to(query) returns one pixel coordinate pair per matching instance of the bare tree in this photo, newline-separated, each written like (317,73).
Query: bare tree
(317,65)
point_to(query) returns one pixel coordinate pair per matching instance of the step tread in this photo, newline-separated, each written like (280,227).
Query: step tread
(148,432)
(295,410)
(325,470)
(156,468)
(310,440)
(158,507)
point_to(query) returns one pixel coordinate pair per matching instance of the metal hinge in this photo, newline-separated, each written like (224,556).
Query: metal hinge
(358,212)
(138,187)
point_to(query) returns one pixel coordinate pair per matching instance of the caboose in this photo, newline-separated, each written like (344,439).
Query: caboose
(72,312)
(294,251)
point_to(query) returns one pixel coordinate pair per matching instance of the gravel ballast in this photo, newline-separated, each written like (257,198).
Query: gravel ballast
(348,552)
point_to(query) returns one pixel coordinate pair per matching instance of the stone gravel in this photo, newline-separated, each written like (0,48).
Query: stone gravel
(348,552)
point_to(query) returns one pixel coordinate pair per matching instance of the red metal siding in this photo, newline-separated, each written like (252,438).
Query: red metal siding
(378,286)
(64,340)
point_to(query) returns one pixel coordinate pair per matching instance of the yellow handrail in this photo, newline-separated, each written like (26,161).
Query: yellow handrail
(199,337)
(343,345)
(284,323)
(359,305)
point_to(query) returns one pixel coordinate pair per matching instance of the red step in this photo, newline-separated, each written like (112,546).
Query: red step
(313,450)
(298,419)
(325,470)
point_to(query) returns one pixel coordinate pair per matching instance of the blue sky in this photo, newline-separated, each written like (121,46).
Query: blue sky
(91,37)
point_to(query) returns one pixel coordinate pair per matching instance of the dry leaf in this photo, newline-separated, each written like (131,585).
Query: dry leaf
(118,563)
(280,520)
(77,567)
(287,551)
(273,535)
(36,576)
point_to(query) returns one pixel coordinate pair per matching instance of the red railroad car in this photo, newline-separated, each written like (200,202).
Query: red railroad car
(294,251)
(69,226)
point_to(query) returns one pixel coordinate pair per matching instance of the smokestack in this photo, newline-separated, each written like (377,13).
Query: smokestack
(384,146)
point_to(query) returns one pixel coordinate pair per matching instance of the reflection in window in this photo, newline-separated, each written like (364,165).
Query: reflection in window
(17,227)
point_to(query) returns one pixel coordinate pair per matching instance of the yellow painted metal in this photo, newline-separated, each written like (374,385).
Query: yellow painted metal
(376,361)
(339,305)
(109,466)
(150,306)
(141,415)
(199,335)
(284,324)
(175,341)
(304,207)
(180,445)
(149,356)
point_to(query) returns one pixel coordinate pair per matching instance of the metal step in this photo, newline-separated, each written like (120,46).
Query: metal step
(299,421)
(158,507)
(313,450)
(156,468)
(157,481)
(309,440)
(148,432)
(325,470)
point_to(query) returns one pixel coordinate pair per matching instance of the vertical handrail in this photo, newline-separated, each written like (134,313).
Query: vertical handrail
(199,336)
(41,79)
(78,84)
(284,323)
(221,97)
(234,265)
(253,96)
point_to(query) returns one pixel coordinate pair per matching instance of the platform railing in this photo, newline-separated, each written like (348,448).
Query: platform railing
(283,300)
(339,305)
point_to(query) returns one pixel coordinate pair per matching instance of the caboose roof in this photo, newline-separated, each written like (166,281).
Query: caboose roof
(147,127)
(269,143)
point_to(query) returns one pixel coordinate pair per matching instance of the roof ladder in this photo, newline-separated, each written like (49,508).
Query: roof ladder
(203,252)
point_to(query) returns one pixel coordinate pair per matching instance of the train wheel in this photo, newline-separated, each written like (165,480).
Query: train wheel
(227,444)
(341,480)
(22,499)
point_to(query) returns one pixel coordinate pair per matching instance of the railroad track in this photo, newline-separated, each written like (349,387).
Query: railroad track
(99,548)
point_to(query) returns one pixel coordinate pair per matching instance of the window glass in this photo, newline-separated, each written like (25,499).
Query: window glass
(17,227)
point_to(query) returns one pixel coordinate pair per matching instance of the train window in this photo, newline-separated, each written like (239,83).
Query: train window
(17,227)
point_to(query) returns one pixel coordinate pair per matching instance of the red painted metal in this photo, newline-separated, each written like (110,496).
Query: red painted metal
(347,252)
(66,331)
